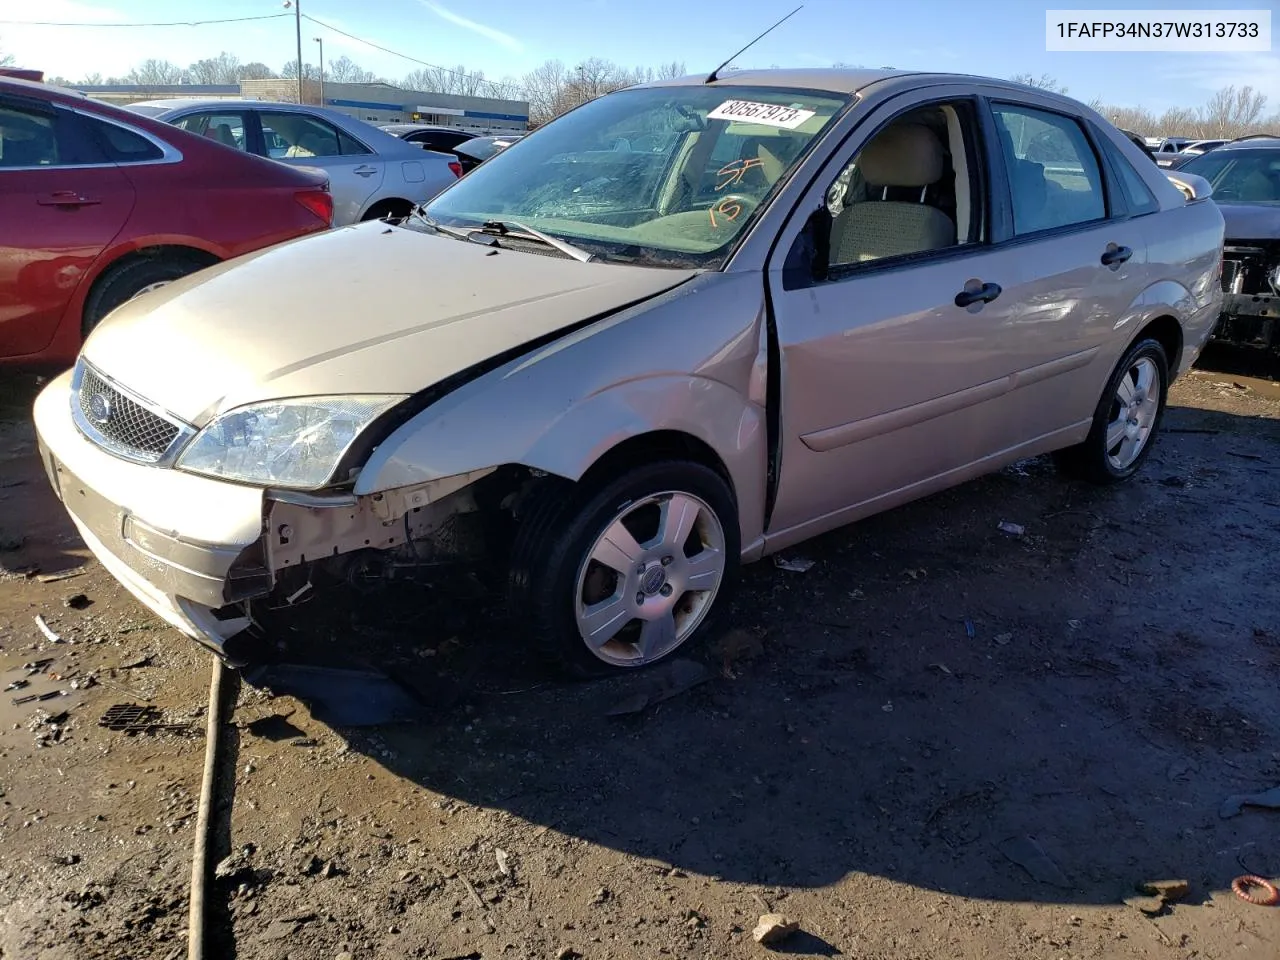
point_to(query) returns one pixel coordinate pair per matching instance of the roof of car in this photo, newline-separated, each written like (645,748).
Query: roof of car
(1259,142)
(181,103)
(845,80)
(415,127)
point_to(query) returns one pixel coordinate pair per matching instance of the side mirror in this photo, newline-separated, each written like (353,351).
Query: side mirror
(810,255)
(1193,186)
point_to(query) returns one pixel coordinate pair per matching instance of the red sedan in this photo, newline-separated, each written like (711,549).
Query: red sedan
(98,205)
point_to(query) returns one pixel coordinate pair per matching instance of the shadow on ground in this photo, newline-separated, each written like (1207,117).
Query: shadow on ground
(1050,716)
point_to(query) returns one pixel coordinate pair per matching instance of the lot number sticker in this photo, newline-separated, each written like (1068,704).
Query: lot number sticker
(768,114)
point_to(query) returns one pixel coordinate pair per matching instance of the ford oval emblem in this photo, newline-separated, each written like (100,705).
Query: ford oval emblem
(100,409)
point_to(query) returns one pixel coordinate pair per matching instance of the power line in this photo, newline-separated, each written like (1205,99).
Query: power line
(404,56)
(170,23)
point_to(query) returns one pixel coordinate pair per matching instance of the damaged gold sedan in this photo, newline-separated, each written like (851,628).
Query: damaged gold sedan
(682,327)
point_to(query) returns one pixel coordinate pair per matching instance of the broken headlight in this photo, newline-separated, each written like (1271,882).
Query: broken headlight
(285,443)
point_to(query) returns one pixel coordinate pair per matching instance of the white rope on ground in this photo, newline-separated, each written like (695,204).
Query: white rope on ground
(200,853)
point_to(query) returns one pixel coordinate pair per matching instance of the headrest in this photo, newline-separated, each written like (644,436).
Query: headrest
(903,155)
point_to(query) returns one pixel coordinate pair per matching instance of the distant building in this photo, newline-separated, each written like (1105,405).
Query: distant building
(376,103)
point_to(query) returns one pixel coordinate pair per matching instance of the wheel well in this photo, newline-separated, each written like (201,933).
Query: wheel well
(163,251)
(1168,333)
(391,205)
(658,445)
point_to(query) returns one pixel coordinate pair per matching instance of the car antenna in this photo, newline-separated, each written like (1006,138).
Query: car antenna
(711,77)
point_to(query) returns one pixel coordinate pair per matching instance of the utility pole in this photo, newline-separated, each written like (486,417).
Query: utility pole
(297,22)
(321,42)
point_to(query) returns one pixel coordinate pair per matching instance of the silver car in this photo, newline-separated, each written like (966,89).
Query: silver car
(372,175)
(808,297)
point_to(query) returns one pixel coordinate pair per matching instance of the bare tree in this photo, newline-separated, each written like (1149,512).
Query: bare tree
(544,88)
(155,73)
(93,79)
(669,71)
(1230,110)
(1044,82)
(222,69)
(290,71)
(346,70)
(6,59)
(256,71)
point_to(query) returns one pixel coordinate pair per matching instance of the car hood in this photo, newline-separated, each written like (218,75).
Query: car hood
(365,309)
(1251,221)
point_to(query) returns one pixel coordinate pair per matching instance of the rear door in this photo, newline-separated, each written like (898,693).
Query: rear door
(355,172)
(61,204)
(228,127)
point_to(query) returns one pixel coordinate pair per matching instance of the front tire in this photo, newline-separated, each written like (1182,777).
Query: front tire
(133,278)
(622,573)
(1126,420)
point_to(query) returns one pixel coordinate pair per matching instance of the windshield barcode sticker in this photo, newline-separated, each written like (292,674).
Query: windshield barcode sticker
(769,114)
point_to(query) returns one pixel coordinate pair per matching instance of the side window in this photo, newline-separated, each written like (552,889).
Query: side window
(226,128)
(120,145)
(1137,195)
(1053,174)
(294,135)
(912,189)
(351,147)
(27,139)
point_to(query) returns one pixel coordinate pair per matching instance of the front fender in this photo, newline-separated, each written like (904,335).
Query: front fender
(684,362)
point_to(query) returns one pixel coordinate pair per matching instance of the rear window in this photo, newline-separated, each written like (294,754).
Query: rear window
(121,145)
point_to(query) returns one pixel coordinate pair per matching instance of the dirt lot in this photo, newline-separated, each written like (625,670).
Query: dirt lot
(942,740)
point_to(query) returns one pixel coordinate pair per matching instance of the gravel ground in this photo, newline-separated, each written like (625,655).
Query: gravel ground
(940,740)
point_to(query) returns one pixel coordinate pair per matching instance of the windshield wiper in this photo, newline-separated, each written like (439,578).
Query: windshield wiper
(505,228)
(521,231)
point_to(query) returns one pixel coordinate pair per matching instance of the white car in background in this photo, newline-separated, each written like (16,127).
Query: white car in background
(372,175)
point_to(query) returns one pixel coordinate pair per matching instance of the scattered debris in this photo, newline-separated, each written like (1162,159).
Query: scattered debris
(56,577)
(663,683)
(1170,890)
(275,728)
(1027,853)
(1246,456)
(1179,769)
(888,707)
(45,629)
(143,661)
(1003,638)
(471,892)
(1243,887)
(600,896)
(77,601)
(795,564)
(1270,799)
(943,667)
(39,697)
(773,928)
(1156,895)
(1009,527)
(340,697)
(132,718)
(969,630)
(504,861)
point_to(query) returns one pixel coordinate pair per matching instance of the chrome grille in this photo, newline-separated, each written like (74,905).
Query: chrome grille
(120,424)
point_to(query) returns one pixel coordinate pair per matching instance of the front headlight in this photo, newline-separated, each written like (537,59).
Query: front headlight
(286,443)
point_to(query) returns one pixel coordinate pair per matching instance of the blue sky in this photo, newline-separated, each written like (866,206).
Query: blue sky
(500,37)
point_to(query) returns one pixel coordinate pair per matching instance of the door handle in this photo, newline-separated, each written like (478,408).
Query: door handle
(66,198)
(983,294)
(365,171)
(1113,256)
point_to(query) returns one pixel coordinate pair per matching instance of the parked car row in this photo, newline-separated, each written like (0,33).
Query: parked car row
(470,150)
(682,327)
(99,204)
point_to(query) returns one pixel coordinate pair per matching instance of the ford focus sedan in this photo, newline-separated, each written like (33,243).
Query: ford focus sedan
(678,329)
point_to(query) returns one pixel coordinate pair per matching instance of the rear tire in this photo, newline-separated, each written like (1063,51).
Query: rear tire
(620,574)
(124,281)
(1126,420)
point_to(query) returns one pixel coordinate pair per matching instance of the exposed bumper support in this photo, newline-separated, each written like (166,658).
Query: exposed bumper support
(1250,319)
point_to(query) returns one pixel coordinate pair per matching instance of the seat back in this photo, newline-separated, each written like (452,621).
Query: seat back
(909,156)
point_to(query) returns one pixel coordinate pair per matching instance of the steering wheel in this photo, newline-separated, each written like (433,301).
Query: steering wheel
(730,208)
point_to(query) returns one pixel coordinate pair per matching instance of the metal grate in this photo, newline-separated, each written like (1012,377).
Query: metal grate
(121,424)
